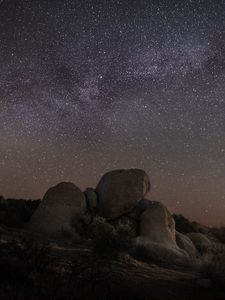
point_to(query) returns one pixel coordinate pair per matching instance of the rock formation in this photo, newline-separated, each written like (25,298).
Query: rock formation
(59,206)
(119,199)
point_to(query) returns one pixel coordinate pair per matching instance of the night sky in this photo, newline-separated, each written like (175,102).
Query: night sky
(91,86)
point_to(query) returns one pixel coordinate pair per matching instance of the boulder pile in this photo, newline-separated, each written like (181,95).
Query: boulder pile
(118,197)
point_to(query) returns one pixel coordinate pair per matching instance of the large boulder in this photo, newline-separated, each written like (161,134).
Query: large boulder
(185,243)
(120,190)
(201,242)
(61,204)
(157,225)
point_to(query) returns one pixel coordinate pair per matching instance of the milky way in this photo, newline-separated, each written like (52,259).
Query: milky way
(90,86)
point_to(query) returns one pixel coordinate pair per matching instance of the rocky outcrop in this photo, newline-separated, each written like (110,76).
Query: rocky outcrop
(120,190)
(201,242)
(157,225)
(119,199)
(60,205)
(185,243)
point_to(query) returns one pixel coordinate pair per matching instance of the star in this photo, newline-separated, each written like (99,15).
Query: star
(87,87)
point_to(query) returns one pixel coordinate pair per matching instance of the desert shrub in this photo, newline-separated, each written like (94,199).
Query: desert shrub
(28,209)
(219,233)
(183,225)
(2,202)
(67,232)
(82,225)
(26,269)
(34,255)
(98,277)
(24,261)
(30,273)
(15,213)
(108,239)
(212,267)
(217,249)
(127,223)
(90,277)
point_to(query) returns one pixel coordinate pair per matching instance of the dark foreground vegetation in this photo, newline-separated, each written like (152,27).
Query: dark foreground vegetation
(104,265)
(16,213)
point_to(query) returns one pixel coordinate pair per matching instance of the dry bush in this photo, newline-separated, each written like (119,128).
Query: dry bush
(183,225)
(25,269)
(24,260)
(16,213)
(212,267)
(34,255)
(219,233)
(108,239)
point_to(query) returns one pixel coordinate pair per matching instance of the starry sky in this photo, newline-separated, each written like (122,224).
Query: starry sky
(91,86)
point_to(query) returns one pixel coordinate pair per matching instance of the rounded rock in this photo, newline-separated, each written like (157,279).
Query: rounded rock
(60,205)
(201,242)
(157,225)
(120,190)
(185,243)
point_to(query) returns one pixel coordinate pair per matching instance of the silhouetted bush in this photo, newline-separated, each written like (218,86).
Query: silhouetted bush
(15,213)
(219,233)
(34,255)
(185,226)
(108,239)
(24,268)
(213,267)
